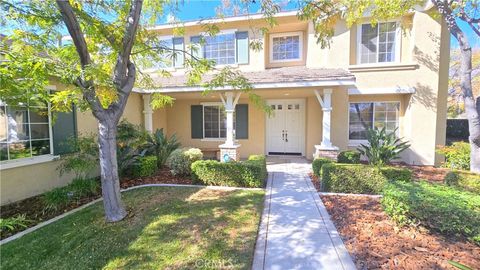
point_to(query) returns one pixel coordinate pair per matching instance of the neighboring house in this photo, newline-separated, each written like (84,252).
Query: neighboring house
(323,99)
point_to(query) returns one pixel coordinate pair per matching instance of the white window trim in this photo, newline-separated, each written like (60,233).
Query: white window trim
(223,32)
(287,34)
(210,104)
(356,142)
(398,44)
(13,163)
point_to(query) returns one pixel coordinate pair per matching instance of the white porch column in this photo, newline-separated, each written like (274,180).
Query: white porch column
(147,113)
(326,148)
(229,150)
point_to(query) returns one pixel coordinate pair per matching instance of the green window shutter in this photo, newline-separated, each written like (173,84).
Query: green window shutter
(197,121)
(241,121)
(64,127)
(242,47)
(179,55)
(197,50)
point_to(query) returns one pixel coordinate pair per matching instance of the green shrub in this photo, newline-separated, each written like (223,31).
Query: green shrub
(181,160)
(434,206)
(349,157)
(318,163)
(357,178)
(251,173)
(80,188)
(464,180)
(145,166)
(56,199)
(13,223)
(397,174)
(382,147)
(83,160)
(457,155)
(259,160)
(131,145)
(161,146)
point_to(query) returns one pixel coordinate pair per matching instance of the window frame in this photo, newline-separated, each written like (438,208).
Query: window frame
(357,142)
(10,163)
(398,45)
(286,34)
(220,105)
(233,32)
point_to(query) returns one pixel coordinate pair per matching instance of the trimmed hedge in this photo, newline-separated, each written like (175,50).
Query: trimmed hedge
(145,166)
(438,207)
(464,180)
(358,178)
(349,157)
(251,173)
(318,163)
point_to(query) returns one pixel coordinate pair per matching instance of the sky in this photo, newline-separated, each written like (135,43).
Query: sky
(189,10)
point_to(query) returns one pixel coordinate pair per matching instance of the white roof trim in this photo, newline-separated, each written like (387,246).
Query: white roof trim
(379,91)
(255,86)
(220,20)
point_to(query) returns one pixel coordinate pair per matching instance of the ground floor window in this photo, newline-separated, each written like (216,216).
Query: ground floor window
(364,115)
(215,121)
(24,131)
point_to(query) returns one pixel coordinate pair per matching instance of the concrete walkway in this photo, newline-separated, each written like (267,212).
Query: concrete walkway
(296,231)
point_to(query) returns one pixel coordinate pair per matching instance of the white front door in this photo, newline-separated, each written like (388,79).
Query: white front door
(286,127)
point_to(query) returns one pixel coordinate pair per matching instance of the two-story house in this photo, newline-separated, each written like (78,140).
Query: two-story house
(393,74)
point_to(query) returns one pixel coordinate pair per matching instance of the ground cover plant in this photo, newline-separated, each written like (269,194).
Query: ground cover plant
(171,228)
(437,207)
(464,180)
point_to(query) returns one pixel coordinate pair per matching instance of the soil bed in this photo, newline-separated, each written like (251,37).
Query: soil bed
(33,207)
(375,242)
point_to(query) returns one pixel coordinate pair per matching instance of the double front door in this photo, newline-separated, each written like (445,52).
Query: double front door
(286,127)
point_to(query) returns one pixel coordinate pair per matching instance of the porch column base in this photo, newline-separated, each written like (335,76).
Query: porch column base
(229,152)
(330,152)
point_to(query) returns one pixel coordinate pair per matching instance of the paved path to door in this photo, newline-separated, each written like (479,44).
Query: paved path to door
(296,231)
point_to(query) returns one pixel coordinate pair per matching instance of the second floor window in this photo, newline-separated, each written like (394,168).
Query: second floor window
(286,47)
(220,48)
(378,44)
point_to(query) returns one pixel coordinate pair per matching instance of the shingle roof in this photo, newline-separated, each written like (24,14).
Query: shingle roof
(273,75)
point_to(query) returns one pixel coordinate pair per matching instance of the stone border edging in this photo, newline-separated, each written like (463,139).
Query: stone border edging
(261,242)
(349,194)
(47,222)
(342,252)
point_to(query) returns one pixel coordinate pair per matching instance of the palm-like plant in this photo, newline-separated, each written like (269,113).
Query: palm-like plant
(382,147)
(162,146)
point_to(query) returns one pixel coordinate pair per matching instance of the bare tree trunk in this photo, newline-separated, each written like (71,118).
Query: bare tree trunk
(114,208)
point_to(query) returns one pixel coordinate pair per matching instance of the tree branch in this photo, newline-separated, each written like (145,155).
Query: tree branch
(75,32)
(123,59)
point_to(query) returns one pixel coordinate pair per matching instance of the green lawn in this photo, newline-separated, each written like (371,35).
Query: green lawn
(168,228)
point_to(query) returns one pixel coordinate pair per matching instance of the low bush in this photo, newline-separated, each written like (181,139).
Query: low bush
(357,178)
(438,207)
(180,160)
(318,163)
(145,166)
(259,160)
(349,157)
(55,199)
(13,223)
(457,155)
(464,180)
(251,173)
(60,197)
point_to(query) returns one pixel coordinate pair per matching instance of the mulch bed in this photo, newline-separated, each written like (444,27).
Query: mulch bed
(33,207)
(375,242)
(428,173)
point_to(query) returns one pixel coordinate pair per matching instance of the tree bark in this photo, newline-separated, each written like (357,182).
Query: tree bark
(112,202)
(472,106)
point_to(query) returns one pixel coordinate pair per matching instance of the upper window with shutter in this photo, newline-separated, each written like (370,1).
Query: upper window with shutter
(224,48)
(170,56)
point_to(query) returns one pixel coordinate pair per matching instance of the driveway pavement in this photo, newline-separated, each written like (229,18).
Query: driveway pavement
(296,231)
